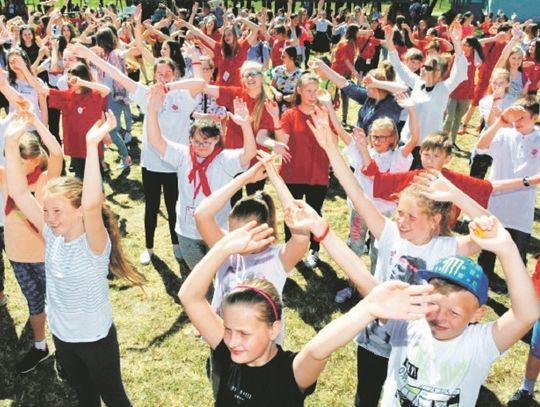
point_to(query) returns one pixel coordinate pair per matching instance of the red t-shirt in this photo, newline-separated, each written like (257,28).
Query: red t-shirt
(533,72)
(343,52)
(387,185)
(233,136)
(79,113)
(309,163)
(443,30)
(277,50)
(367,47)
(229,68)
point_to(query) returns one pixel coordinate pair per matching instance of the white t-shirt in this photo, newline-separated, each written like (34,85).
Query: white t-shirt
(399,259)
(389,161)
(174,123)
(77,293)
(486,103)
(430,106)
(222,170)
(265,265)
(514,156)
(423,371)
(28,91)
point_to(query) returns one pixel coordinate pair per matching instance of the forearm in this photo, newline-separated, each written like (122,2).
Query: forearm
(193,84)
(113,72)
(48,139)
(92,193)
(389,86)
(210,207)
(17,184)
(333,76)
(339,332)
(153,131)
(250,147)
(484,142)
(415,132)
(102,89)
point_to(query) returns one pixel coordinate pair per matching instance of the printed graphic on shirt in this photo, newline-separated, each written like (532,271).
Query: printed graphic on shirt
(406,268)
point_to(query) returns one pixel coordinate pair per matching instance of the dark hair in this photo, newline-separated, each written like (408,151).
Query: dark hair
(12,76)
(280,29)
(292,53)
(165,61)
(437,141)
(72,30)
(62,43)
(81,70)
(259,206)
(476,46)
(207,129)
(229,51)
(268,302)
(25,27)
(106,39)
(176,56)
(505,27)
(529,103)
(351,33)
(536,56)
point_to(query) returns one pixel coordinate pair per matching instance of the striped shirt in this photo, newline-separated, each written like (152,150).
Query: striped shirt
(77,299)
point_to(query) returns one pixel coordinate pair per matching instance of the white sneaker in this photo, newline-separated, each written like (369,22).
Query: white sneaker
(145,257)
(177,252)
(343,295)
(312,259)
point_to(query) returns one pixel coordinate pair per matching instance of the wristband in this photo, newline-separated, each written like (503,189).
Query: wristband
(526,182)
(278,128)
(503,120)
(323,235)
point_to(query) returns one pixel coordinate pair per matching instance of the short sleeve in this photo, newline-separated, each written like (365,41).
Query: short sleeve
(140,97)
(58,99)
(354,156)
(227,95)
(286,121)
(231,161)
(400,162)
(175,154)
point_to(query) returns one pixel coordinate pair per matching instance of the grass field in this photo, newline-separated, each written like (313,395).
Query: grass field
(163,363)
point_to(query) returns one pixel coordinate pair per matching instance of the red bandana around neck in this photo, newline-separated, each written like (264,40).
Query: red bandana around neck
(199,168)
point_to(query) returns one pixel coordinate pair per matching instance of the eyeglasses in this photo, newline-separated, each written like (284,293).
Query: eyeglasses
(206,143)
(428,68)
(380,139)
(252,74)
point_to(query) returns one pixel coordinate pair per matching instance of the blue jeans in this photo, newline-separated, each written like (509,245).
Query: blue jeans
(117,108)
(193,250)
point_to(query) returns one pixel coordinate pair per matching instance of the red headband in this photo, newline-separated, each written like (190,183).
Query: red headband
(264,295)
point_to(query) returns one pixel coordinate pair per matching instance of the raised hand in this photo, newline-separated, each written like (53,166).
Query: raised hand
(241,113)
(272,108)
(248,238)
(488,233)
(455,32)
(320,127)
(256,173)
(435,186)
(156,96)
(404,100)
(100,129)
(360,138)
(137,15)
(323,96)
(512,114)
(399,300)
(16,128)
(302,216)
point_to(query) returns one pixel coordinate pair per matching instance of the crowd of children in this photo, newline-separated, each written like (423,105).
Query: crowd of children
(234,99)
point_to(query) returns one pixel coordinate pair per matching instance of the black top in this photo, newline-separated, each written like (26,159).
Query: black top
(265,386)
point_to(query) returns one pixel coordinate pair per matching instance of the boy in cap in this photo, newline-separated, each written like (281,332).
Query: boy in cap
(443,359)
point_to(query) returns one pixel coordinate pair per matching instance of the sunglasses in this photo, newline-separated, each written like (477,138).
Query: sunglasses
(253,74)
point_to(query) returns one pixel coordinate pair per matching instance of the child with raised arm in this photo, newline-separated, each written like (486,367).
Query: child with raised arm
(202,167)
(419,237)
(82,240)
(24,245)
(254,370)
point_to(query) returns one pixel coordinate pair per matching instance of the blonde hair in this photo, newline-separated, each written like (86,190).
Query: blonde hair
(30,148)
(71,189)
(258,109)
(386,123)
(432,208)
(516,50)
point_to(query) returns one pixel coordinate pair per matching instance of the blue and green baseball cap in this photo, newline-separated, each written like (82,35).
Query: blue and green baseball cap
(462,271)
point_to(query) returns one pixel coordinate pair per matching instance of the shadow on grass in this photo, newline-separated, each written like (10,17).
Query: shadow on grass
(315,304)
(171,280)
(487,398)
(159,339)
(124,185)
(38,388)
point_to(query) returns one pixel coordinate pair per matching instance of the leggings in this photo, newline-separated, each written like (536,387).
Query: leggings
(487,259)
(371,373)
(93,369)
(314,196)
(152,184)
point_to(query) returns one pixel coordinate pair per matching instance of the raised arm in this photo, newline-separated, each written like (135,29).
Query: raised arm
(516,38)
(389,86)
(193,291)
(139,40)
(408,104)
(506,119)
(56,157)
(458,72)
(102,89)
(253,30)
(156,97)
(490,235)
(17,184)
(404,73)
(82,52)
(242,118)
(206,212)
(194,85)
(362,204)
(92,192)
(390,300)
(199,33)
